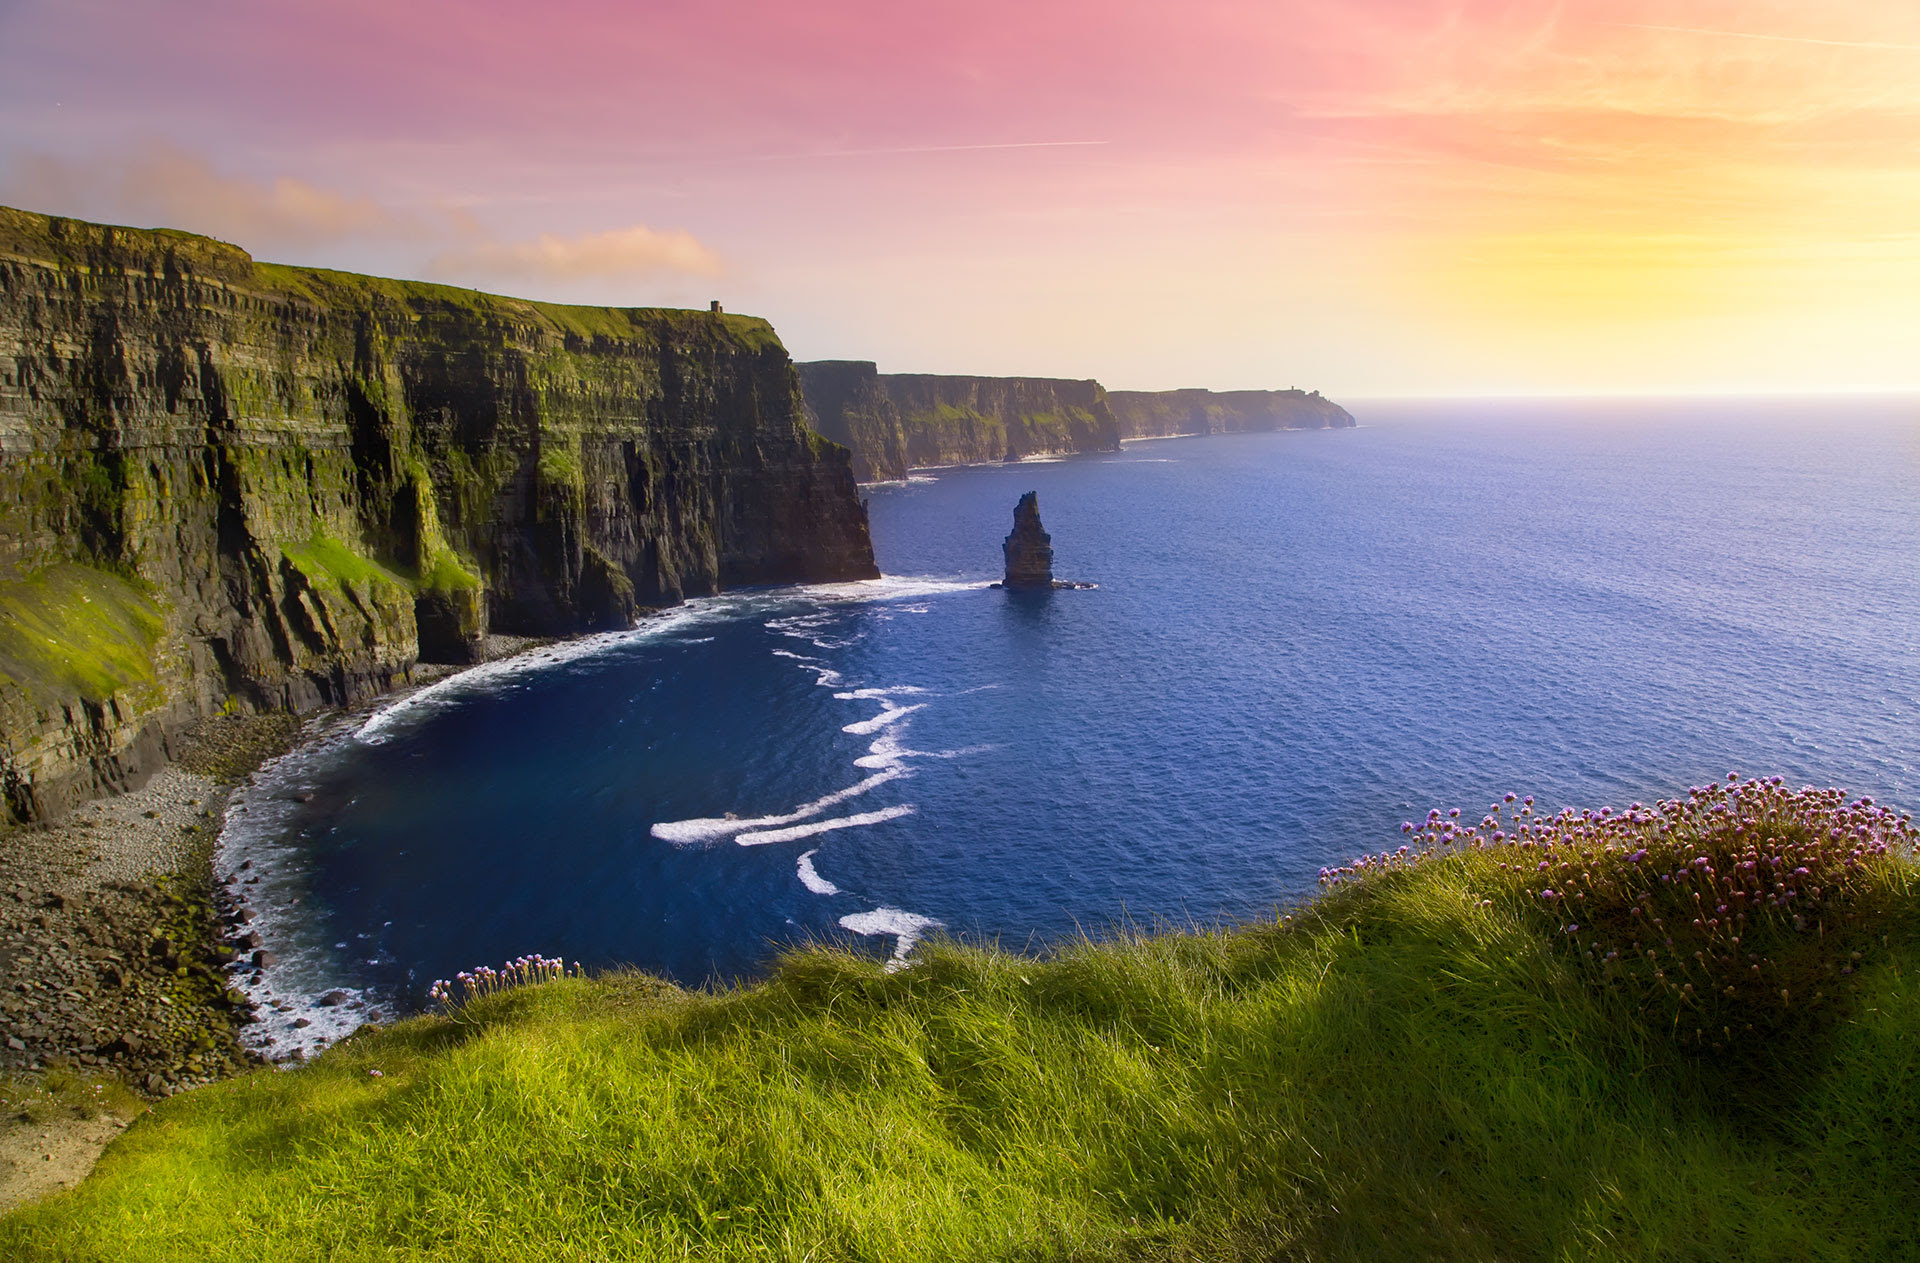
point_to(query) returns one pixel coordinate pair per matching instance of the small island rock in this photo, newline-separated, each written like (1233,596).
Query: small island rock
(1029,548)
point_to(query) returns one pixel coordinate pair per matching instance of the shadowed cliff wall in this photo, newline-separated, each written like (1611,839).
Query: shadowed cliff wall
(894,422)
(231,483)
(847,403)
(898,421)
(1144,414)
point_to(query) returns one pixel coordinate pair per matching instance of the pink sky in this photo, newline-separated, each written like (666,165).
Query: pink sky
(1366,196)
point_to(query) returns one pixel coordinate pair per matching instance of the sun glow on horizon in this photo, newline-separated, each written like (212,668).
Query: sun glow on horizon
(1369,196)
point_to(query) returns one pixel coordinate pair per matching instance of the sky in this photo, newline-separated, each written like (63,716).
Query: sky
(1366,197)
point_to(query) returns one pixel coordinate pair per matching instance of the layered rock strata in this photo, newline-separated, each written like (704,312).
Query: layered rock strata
(847,402)
(898,421)
(233,484)
(1029,549)
(1143,414)
(894,422)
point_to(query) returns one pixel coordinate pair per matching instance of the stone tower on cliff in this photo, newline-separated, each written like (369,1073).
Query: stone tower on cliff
(1029,548)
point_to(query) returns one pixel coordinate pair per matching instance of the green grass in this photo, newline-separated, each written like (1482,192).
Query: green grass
(445,572)
(64,1092)
(1414,1067)
(73,629)
(559,466)
(330,565)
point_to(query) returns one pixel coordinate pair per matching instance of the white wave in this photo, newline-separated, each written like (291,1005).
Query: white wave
(889,588)
(876,695)
(887,751)
(811,879)
(961,753)
(906,927)
(794,834)
(713,829)
(825,677)
(891,715)
(271,881)
(382,725)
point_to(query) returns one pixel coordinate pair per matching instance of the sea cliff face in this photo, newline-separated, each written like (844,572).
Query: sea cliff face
(894,422)
(848,404)
(231,484)
(1146,414)
(898,421)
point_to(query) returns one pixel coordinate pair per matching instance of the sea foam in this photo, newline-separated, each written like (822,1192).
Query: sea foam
(717,828)
(799,831)
(811,878)
(906,927)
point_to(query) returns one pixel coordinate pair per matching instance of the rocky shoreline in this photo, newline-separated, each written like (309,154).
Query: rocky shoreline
(113,948)
(117,942)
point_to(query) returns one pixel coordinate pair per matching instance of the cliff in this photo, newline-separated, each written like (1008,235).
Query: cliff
(232,484)
(847,403)
(897,421)
(1146,414)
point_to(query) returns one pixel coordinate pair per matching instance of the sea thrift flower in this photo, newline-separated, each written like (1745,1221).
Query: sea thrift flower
(1744,890)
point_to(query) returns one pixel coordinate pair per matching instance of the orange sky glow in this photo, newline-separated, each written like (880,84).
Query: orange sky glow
(1371,197)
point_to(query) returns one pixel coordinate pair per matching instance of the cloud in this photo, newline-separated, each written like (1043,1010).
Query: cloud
(159,185)
(632,253)
(1778,39)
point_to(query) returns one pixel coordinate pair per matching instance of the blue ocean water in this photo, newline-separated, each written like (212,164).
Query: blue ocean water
(1298,640)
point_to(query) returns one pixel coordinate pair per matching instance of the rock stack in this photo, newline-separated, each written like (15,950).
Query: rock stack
(1029,548)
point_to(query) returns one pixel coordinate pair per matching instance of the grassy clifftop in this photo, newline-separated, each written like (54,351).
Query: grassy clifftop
(108,249)
(1427,1062)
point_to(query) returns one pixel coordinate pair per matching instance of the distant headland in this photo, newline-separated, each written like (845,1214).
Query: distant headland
(893,422)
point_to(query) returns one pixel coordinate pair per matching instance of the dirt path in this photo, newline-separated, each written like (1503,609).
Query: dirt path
(37,1159)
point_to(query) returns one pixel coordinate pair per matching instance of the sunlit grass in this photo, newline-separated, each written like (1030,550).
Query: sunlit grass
(1420,1064)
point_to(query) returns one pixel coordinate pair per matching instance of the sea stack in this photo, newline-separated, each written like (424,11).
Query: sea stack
(1029,548)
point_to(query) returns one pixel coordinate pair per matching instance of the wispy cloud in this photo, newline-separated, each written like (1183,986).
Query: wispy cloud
(916,149)
(159,185)
(1879,45)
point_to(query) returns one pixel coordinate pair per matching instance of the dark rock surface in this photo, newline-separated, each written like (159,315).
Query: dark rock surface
(1165,413)
(893,422)
(1029,548)
(848,404)
(897,421)
(235,485)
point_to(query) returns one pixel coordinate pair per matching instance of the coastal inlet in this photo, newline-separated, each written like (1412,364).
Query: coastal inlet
(1300,640)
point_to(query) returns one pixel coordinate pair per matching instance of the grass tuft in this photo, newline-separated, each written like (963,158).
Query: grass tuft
(1422,1063)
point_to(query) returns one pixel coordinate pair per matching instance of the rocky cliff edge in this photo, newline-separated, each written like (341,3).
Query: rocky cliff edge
(227,484)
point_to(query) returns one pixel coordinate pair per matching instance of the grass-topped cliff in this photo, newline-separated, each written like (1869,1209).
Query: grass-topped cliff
(893,422)
(1683,1031)
(232,483)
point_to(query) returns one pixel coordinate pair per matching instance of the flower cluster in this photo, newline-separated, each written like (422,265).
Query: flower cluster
(483,980)
(1722,911)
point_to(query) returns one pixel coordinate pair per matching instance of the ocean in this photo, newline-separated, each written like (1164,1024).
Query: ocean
(1298,640)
